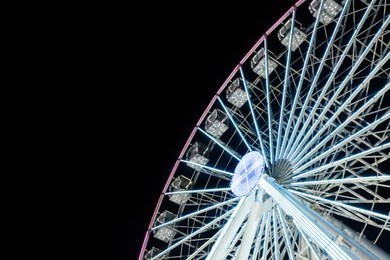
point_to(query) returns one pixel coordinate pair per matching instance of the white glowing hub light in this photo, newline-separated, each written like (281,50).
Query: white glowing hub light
(247,174)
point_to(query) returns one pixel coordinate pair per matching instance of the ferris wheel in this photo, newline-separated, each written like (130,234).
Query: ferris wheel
(290,159)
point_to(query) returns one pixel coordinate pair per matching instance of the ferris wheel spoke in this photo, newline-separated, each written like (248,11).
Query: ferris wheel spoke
(348,120)
(258,236)
(205,167)
(330,102)
(341,161)
(235,125)
(286,235)
(200,252)
(223,146)
(193,214)
(284,148)
(336,203)
(351,190)
(259,135)
(204,228)
(266,241)
(285,85)
(336,146)
(313,85)
(350,214)
(268,99)
(365,180)
(196,191)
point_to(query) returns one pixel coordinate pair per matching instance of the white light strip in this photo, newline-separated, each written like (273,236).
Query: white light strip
(367,212)
(323,238)
(345,180)
(234,123)
(341,161)
(254,118)
(207,167)
(224,147)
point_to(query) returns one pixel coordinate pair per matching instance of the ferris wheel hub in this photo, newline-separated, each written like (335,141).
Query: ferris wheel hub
(247,173)
(281,171)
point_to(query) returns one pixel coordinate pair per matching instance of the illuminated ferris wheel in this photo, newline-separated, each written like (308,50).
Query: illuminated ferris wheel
(290,160)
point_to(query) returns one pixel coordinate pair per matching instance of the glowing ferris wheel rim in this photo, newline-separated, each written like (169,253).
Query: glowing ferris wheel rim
(315,107)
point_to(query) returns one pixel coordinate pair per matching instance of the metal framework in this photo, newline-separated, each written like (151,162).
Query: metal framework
(312,99)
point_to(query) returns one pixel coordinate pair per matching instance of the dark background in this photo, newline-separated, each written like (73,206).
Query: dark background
(151,71)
